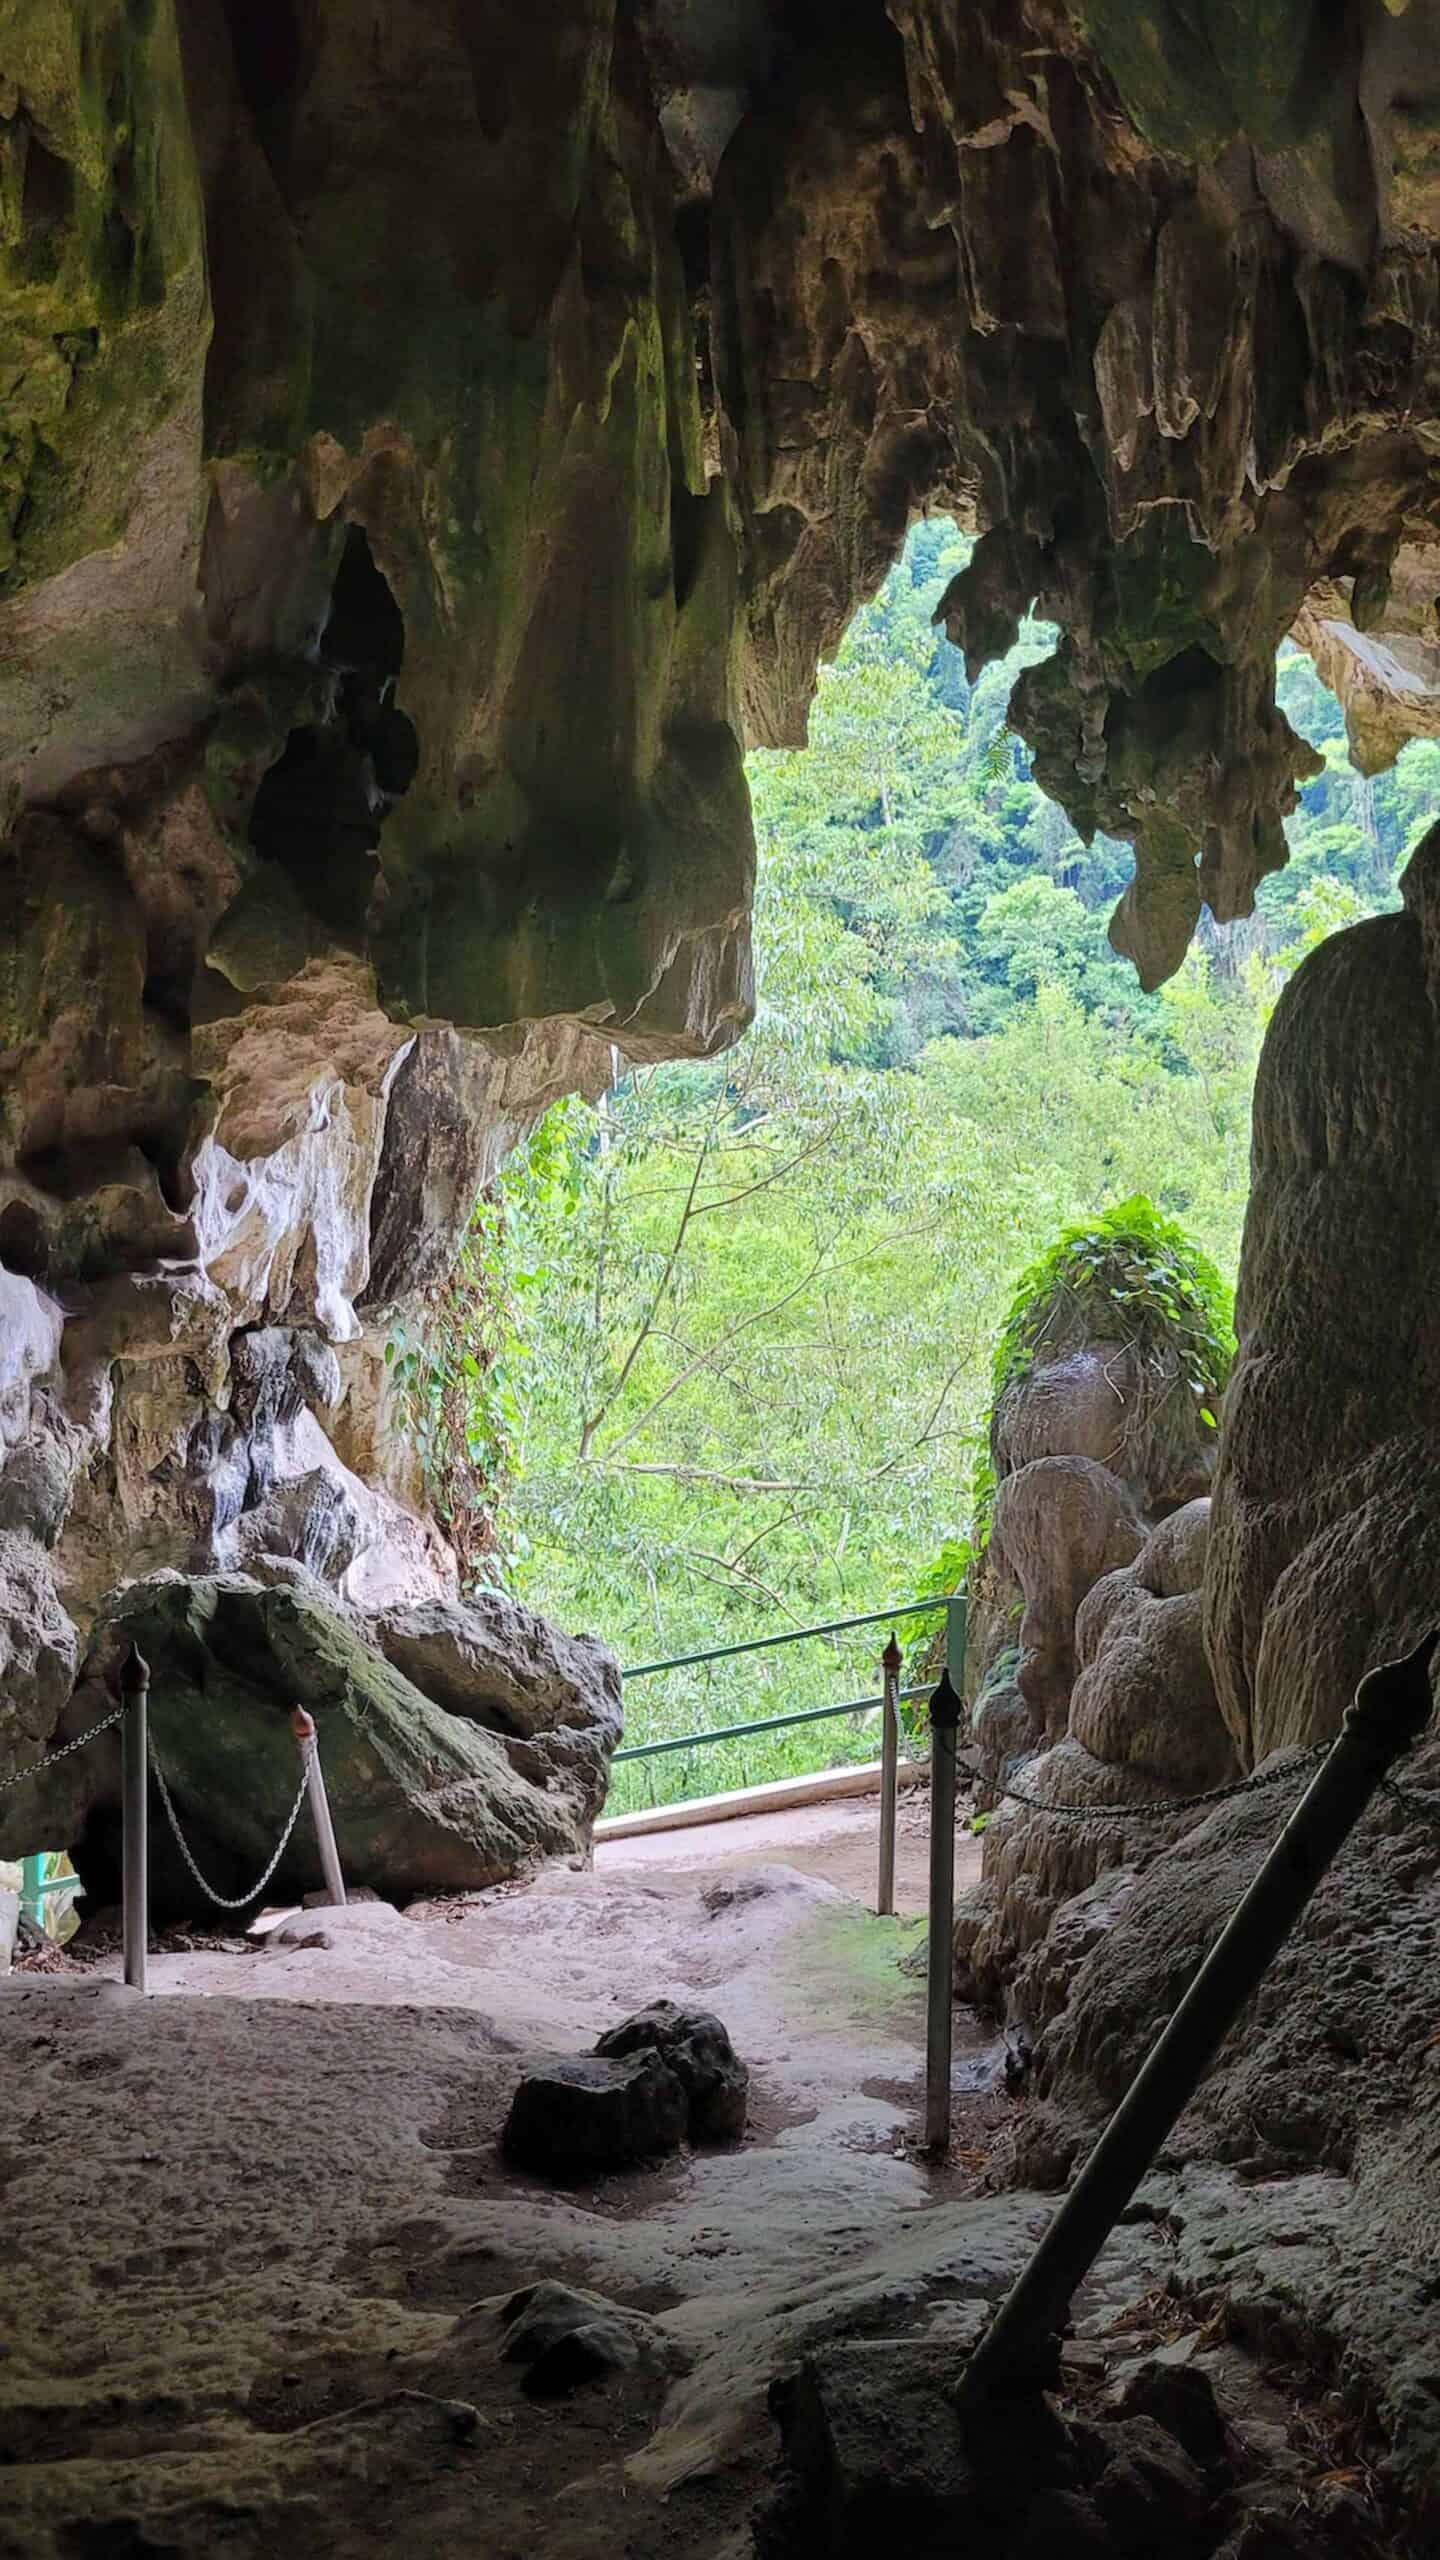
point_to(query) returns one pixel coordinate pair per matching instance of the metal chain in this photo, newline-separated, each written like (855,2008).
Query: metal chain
(228,1901)
(1156,1808)
(48,1759)
(1426,1807)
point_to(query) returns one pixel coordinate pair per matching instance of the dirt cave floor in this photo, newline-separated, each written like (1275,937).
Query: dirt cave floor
(259,2231)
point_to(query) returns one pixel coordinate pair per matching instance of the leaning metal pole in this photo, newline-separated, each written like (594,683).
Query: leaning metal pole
(889,1775)
(940,1953)
(1391,1709)
(134,1759)
(307,1742)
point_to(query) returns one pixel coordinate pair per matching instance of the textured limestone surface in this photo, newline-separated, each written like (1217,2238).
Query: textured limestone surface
(1090,1685)
(1326,1530)
(434,443)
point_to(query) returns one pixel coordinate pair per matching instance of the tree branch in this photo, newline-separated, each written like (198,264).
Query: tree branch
(606,1405)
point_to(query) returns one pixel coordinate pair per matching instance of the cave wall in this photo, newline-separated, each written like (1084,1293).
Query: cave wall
(434,441)
(1326,1548)
(368,629)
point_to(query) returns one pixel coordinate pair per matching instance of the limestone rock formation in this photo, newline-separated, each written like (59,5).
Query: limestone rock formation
(1144,1695)
(1321,1558)
(433,445)
(38,1648)
(422,1800)
(1060,1523)
(1327,1528)
(1106,1699)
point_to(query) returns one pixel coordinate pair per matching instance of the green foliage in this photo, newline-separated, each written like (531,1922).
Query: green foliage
(1131,1270)
(1131,1274)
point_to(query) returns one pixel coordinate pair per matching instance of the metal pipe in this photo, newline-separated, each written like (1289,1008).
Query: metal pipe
(760,1724)
(302,1725)
(889,1776)
(1391,1709)
(940,1952)
(134,1801)
(792,1635)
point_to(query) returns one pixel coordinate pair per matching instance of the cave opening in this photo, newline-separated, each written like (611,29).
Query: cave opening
(508,1404)
(941,1018)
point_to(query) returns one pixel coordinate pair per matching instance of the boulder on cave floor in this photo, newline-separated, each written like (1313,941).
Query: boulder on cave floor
(422,1800)
(664,2075)
(875,2450)
(497,1664)
(562,2336)
(694,2045)
(579,2115)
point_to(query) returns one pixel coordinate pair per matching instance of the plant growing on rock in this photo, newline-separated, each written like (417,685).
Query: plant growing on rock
(1131,1276)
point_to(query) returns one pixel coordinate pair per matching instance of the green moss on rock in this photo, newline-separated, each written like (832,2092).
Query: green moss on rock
(103,309)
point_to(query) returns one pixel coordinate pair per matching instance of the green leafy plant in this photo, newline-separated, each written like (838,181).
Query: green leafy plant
(1131,1274)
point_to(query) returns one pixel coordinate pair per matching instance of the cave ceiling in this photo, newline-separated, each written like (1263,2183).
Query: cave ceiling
(436,441)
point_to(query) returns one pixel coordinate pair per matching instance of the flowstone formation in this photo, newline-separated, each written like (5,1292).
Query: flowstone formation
(433,444)
(1321,1557)
(1086,1664)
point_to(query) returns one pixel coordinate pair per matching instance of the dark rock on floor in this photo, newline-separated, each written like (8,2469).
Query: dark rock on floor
(695,2046)
(564,2337)
(578,2115)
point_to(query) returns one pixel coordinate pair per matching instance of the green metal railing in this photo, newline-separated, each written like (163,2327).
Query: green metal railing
(41,1876)
(765,1644)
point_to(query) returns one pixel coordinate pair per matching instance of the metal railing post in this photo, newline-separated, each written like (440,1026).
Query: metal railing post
(135,1851)
(1391,1709)
(889,1775)
(940,1950)
(32,1891)
(302,1725)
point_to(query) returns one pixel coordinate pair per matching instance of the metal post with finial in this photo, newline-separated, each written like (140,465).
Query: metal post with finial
(889,1775)
(307,1741)
(134,1764)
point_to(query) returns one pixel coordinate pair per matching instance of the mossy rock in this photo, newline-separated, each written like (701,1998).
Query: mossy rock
(422,1801)
(103,301)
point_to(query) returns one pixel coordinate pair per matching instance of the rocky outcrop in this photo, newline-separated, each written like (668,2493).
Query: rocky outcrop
(662,2075)
(422,1800)
(1321,1559)
(1108,1699)
(1060,1523)
(38,1651)
(1327,1509)
(1144,1696)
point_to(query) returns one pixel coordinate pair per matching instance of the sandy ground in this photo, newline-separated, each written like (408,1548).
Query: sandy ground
(260,2231)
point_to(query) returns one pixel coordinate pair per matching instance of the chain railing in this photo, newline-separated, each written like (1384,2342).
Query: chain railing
(1424,1807)
(1164,1808)
(228,1901)
(140,1761)
(62,1751)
